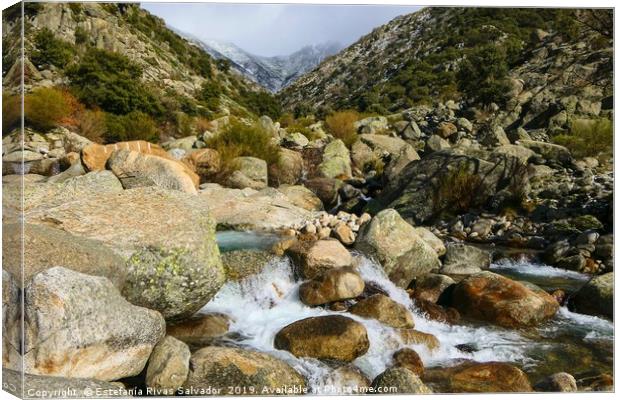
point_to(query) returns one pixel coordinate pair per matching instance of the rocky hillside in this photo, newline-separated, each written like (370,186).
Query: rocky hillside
(273,73)
(440,54)
(119,58)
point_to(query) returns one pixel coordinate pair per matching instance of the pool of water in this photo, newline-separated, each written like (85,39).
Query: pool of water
(238,240)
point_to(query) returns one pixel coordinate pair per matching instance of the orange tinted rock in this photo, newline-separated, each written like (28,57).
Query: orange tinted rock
(490,377)
(494,298)
(95,156)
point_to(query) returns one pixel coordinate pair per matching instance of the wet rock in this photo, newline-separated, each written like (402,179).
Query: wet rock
(412,336)
(436,312)
(490,377)
(348,379)
(402,379)
(115,338)
(344,233)
(332,337)
(201,329)
(461,259)
(409,359)
(250,172)
(502,301)
(596,297)
(314,258)
(168,366)
(252,372)
(395,244)
(429,287)
(332,285)
(384,310)
(288,170)
(560,382)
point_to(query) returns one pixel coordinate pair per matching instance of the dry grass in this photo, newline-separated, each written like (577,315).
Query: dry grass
(341,125)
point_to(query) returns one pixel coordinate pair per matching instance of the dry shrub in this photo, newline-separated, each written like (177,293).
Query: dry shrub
(11,112)
(341,125)
(458,191)
(92,125)
(239,139)
(201,124)
(45,108)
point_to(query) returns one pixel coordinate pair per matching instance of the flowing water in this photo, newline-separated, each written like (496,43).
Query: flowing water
(262,304)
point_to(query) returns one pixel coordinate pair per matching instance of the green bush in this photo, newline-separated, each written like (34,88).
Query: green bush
(261,103)
(210,93)
(81,36)
(50,50)
(110,81)
(239,139)
(134,126)
(482,76)
(588,138)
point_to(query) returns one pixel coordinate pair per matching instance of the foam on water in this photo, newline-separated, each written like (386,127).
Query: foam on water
(262,304)
(526,268)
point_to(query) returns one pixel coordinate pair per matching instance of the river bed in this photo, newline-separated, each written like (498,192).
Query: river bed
(262,304)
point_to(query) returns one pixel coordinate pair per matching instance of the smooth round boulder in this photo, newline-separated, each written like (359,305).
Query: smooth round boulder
(412,336)
(79,326)
(248,371)
(502,301)
(314,258)
(402,379)
(560,382)
(332,285)
(409,358)
(462,259)
(200,330)
(167,238)
(402,252)
(331,337)
(384,310)
(168,366)
(490,377)
(430,287)
(136,169)
(46,246)
(596,297)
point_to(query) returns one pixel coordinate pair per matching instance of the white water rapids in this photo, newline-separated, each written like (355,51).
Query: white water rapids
(262,304)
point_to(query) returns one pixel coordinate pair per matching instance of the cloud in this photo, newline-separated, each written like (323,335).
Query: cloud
(276,29)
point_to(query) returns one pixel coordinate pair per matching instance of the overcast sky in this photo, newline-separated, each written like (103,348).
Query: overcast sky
(276,29)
